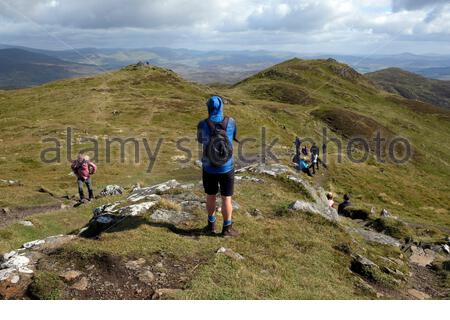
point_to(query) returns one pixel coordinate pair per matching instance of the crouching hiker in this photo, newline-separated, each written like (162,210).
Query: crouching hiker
(216,134)
(83,168)
(304,166)
(330,200)
(346,203)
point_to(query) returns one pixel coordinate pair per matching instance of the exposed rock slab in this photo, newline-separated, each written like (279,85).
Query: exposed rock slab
(373,236)
(170,216)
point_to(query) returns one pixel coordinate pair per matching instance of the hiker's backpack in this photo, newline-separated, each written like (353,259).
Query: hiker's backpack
(219,148)
(91,168)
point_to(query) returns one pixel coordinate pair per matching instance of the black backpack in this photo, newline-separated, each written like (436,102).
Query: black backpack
(219,148)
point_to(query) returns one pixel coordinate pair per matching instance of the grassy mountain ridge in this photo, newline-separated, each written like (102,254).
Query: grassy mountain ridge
(413,86)
(286,255)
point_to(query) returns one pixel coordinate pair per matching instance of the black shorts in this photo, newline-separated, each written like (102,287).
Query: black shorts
(211,182)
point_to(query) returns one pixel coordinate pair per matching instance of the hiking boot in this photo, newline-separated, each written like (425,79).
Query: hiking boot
(210,228)
(228,231)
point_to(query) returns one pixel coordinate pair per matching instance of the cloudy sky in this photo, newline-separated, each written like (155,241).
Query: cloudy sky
(306,26)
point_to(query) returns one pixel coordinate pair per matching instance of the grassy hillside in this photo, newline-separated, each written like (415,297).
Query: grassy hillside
(413,86)
(287,256)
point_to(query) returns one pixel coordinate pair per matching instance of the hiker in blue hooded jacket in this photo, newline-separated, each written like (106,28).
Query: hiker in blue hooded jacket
(216,134)
(304,166)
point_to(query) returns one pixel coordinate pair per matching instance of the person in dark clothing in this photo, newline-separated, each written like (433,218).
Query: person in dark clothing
(315,157)
(297,143)
(344,204)
(216,133)
(305,150)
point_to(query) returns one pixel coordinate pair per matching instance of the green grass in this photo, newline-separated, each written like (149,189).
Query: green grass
(46,286)
(286,256)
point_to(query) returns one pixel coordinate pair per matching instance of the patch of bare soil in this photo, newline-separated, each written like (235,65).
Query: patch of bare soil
(9,216)
(426,280)
(111,277)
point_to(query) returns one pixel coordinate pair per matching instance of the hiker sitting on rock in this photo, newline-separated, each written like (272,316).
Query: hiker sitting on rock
(330,200)
(216,134)
(83,168)
(344,204)
(304,166)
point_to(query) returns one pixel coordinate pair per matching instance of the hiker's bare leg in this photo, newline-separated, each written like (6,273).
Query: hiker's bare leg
(210,204)
(227,208)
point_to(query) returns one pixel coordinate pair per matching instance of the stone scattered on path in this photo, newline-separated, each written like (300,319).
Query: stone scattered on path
(6,182)
(255,213)
(111,190)
(421,257)
(135,264)
(26,223)
(164,293)
(13,284)
(418,294)
(5,211)
(71,275)
(384,213)
(146,277)
(230,253)
(81,285)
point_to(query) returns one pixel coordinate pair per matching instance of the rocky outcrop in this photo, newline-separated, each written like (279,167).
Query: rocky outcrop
(319,203)
(17,267)
(372,236)
(144,200)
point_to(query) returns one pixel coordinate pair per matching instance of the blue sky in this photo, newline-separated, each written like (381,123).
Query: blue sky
(305,26)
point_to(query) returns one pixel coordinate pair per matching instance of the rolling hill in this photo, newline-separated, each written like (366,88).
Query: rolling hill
(413,86)
(20,68)
(283,252)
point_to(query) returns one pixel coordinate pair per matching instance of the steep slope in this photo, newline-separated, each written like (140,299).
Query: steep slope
(20,68)
(289,251)
(413,86)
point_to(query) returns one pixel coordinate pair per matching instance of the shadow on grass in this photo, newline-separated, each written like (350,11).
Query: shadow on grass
(94,229)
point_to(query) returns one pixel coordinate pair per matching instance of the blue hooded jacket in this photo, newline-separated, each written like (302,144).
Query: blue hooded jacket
(303,164)
(215,114)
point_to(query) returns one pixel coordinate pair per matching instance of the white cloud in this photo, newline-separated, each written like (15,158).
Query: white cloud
(285,24)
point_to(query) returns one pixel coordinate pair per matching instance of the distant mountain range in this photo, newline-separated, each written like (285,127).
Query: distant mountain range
(413,86)
(22,66)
